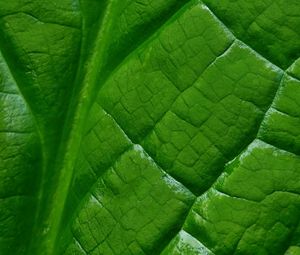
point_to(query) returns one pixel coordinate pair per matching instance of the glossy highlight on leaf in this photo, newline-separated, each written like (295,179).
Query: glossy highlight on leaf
(149,127)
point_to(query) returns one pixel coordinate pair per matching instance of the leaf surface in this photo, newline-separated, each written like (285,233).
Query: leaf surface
(149,127)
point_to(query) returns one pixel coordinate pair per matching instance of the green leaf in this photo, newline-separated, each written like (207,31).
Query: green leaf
(149,127)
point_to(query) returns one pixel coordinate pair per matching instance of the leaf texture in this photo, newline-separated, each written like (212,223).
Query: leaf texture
(149,127)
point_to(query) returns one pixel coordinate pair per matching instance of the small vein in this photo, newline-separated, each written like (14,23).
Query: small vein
(293,76)
(35,18)
(145,39)
(20,90)
(14,132)
(291,240)
(79,244)
(227,49)
(282,149)
(147,153)
(229,160)
(256,52)
(260,14)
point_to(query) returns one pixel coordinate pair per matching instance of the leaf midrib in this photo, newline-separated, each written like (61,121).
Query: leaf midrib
(68,150)
(82,103)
